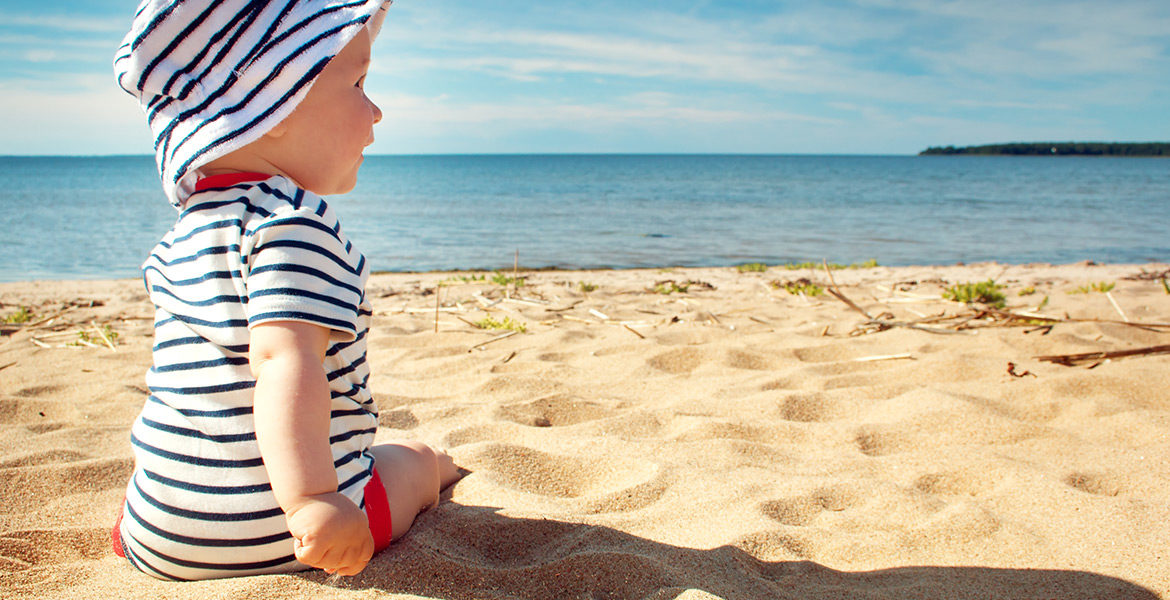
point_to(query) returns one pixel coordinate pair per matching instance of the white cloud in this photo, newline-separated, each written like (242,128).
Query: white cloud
(92,116)
(644,122)
(1136,19)
(1036,105)
(1046,40)
(524,54)
(441,112)
(40,56)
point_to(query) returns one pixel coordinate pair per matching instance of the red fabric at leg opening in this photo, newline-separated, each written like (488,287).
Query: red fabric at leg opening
(378,512)
(116,532)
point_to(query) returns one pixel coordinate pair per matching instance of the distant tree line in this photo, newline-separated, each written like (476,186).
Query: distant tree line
(1058,149)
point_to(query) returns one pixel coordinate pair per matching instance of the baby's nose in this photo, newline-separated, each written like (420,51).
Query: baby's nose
(377,112)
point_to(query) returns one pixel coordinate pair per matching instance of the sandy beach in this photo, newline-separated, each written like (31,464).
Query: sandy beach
(673,434)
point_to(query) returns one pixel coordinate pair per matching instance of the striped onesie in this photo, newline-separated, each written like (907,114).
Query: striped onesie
(243,252)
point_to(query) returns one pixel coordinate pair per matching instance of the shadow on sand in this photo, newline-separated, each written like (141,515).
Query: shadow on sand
(461,552)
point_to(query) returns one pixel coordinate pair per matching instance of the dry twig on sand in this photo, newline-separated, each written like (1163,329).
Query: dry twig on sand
(1117,307)
(905,355)
(495,339)
(985,316)
(1149,275)
(564,308)
(1021,318)
(879,323)
(105,338)
(1070,360)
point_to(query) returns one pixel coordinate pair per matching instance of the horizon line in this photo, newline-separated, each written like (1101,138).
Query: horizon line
(406,154)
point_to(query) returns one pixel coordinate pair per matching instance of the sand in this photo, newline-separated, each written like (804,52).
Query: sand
(732,441)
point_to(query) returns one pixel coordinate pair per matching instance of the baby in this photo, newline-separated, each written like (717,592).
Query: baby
(254,452)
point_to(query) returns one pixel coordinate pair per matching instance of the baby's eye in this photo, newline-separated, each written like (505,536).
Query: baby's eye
(361,82)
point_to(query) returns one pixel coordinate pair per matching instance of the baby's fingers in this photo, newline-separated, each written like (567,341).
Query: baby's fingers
(353,569)
(334,559)
(355,559)
(311,554)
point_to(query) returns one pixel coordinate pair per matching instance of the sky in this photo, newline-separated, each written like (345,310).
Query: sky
(843,77)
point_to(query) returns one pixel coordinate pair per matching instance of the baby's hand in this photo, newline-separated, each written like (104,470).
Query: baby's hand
(330,532)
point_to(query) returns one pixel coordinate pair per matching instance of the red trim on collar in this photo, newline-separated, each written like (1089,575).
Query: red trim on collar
(228,179)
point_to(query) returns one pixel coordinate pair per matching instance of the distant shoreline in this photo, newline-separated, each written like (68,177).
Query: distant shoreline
(1125,149)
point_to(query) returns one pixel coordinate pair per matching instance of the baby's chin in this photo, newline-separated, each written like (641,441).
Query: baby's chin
(341,185)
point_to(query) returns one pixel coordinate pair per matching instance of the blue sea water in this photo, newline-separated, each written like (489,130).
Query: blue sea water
(98,217)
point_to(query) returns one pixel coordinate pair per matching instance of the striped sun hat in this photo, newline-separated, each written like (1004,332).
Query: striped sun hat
(214,76)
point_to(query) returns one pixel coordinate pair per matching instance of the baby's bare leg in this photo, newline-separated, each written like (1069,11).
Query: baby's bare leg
(413,474)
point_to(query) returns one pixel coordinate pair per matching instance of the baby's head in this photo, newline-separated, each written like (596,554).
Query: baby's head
(319,145)
(247,85)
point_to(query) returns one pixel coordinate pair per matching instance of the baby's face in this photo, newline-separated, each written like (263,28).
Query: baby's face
(321,142)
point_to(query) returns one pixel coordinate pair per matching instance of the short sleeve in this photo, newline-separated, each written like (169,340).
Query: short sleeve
(300,268)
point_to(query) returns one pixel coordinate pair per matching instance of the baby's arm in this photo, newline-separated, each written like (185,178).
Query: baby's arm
(291,412)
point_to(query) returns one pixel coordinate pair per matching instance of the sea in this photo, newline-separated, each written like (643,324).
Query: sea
(99,217)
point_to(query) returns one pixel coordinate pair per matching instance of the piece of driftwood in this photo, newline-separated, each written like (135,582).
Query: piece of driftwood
(1070,360)
(633,331)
